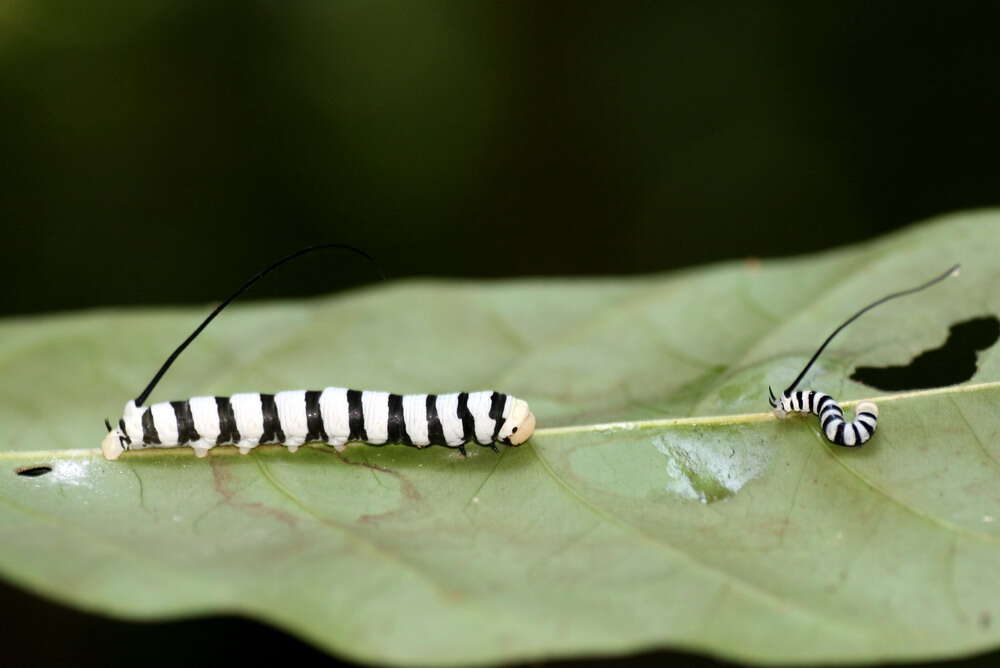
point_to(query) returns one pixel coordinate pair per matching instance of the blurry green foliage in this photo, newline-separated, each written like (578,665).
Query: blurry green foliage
(156,152)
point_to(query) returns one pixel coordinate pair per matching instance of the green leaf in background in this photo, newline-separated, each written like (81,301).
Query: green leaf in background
(657,506)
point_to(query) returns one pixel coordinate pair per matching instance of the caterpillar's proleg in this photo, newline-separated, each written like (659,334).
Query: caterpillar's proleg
(831,416)
(334,416)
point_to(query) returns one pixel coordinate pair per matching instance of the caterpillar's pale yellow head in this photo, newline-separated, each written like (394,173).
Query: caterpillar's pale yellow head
(118,441)
(780,405)
(113,444)
(519,425)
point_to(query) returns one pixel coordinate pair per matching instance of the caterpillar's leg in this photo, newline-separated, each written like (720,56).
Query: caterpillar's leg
(461,448)
(493,447)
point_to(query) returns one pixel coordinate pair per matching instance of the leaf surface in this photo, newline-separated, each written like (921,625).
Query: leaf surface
(657,505)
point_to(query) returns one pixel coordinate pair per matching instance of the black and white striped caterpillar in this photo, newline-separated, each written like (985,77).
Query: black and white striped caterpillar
(831,416)
(333,416)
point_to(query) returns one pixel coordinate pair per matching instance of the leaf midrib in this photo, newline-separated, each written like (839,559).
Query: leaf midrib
(745,418)
(627,425)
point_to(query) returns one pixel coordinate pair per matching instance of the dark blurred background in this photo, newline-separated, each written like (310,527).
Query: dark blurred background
(159,152)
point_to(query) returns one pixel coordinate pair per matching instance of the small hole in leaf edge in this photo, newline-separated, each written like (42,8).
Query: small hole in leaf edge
(33,471)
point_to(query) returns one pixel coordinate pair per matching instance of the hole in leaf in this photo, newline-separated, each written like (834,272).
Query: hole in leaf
(952,363)
(33,471)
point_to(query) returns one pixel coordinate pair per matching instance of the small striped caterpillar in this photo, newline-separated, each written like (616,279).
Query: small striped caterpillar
(334,415)
(831,416)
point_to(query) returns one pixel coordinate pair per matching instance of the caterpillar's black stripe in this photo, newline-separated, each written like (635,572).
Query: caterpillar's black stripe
(273,433)
(228,433)
(314,417)
(827,420)
(497,402)
(435,433)
(123,431)
(468,422)
(396,423)
(356,416)
(186,433)
(149,433)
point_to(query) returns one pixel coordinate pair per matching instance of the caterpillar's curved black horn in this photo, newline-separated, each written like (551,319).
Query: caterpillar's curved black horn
(774,399)
(141,399)
(107,423)
(952,271)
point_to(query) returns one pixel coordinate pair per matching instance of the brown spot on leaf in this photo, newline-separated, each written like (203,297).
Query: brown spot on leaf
(407,487)
(222,482)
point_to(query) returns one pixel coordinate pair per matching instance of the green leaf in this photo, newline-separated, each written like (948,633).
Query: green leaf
(657,506)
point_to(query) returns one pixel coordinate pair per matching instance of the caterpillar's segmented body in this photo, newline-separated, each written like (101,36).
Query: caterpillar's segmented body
(831,416)
(333,416)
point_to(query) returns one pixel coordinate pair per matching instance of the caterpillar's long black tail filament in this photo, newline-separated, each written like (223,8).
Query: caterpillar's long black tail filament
(141,399)
(834,425)
(951,272)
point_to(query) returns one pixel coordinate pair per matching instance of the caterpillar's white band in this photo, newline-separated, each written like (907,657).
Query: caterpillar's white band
(415,414)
